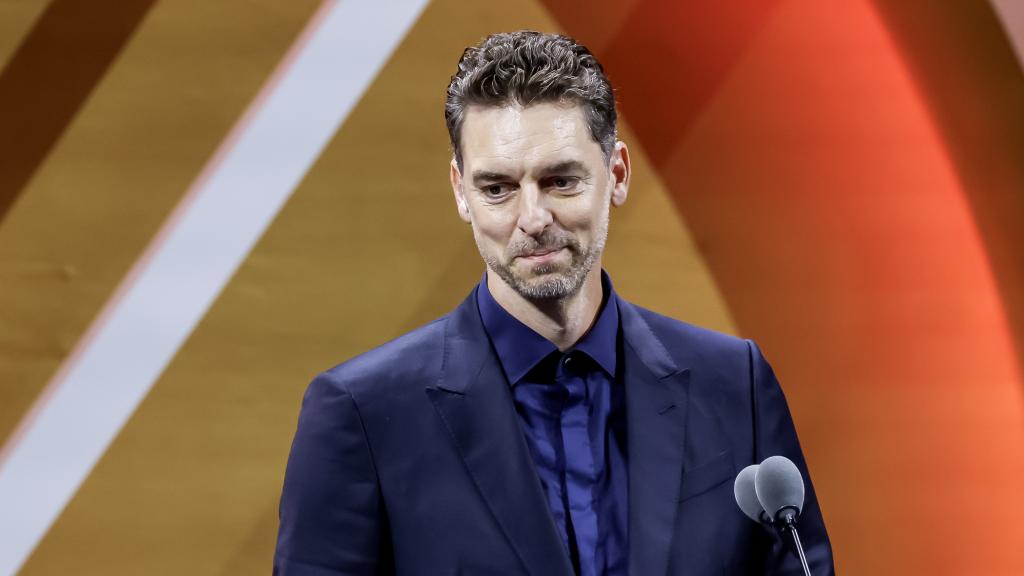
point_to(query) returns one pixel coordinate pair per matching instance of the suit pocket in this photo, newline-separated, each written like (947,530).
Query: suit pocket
(707,475)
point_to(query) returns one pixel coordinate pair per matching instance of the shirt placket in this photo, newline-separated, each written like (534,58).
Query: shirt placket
(580,470)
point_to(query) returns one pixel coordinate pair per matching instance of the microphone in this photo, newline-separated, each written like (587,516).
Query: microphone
(780,489)
(746,496)
(772,493)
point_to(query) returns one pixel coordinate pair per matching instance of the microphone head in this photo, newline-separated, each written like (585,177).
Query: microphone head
(746,496)
(779,485)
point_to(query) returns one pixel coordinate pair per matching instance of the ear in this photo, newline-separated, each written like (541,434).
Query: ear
(620,171)
(460,199)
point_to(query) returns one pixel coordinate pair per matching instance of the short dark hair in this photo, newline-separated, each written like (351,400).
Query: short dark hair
(528,67)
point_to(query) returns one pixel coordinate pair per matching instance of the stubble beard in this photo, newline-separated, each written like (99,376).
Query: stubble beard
(554,285)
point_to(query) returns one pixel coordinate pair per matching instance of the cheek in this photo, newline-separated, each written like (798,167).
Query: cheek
(583,216)
(493,225)
(501,218)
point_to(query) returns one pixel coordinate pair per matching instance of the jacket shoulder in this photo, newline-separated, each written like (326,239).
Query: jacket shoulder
(685,339)
(412,356)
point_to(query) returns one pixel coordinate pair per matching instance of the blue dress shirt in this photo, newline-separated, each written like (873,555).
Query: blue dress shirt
(572,409)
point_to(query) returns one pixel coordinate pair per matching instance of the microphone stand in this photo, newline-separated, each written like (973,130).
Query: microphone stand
(787,523)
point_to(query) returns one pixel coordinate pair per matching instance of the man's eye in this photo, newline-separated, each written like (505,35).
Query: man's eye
(563,182)
(494,190)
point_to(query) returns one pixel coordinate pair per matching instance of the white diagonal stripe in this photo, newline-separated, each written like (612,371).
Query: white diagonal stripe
(1011,16)
(189,261)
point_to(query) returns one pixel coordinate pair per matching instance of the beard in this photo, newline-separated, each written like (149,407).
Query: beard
(549,281)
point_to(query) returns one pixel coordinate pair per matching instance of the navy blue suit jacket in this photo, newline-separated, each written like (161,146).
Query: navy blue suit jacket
(409,459)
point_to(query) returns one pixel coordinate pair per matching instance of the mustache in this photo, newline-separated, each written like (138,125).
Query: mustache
(547,242)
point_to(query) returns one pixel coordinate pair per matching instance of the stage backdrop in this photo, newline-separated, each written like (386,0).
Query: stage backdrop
(203,204)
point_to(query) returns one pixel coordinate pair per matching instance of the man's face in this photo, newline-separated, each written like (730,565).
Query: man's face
(536,188)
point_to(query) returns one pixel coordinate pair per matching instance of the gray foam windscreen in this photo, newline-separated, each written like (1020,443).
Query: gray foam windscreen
(746,496)
(778,484)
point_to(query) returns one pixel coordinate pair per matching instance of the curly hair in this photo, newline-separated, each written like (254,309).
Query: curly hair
(528,67)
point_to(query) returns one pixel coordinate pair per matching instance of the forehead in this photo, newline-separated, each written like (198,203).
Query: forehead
(514,138)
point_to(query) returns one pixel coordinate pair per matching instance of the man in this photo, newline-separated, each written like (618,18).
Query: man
(546,426)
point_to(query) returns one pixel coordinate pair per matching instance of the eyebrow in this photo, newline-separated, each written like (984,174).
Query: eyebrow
(481,177)
(563,167)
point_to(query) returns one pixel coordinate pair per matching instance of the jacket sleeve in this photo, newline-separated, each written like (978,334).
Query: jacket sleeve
(331,513)
(775,434)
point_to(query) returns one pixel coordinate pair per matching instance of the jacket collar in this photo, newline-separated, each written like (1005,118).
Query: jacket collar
(657,401)
(475,403)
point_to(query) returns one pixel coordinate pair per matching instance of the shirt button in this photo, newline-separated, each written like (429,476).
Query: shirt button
(569,361)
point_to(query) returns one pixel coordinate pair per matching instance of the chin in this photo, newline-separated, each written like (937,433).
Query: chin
(552,269)
(547,286)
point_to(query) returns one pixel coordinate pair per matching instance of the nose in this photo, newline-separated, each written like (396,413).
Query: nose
(534,214)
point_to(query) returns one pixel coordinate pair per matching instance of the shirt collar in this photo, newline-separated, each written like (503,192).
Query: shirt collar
(519,348)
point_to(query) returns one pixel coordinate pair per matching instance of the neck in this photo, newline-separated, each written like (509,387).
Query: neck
(563,321)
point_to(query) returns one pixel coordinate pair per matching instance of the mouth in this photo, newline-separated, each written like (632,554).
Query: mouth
(541,256)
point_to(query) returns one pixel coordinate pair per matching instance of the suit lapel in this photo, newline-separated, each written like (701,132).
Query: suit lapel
(475,403)
(656,406)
